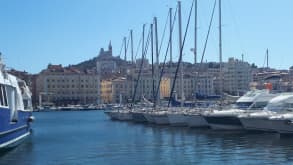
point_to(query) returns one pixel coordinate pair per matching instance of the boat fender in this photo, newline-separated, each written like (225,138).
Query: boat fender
(31,119)
(14,120)
(289,122)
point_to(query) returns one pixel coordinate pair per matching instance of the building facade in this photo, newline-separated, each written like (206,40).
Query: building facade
(106,91)
(237,76)
(122,90)
(62,86)
(205,84)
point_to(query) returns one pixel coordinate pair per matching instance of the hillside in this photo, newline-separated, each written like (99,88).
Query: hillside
(88,64)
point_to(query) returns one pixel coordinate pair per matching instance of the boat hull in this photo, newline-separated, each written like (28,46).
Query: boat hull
(114,115)
(12,134)
(224,122)
(257,124)
(283,126)
(149,117)
(138,117)
(196,120)
(161,119)
(177,119)
(125,116)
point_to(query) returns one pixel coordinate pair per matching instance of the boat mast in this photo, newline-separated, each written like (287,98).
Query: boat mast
(195,46)
(157,59)
(180,52)
(195,33)
(142,54)
(267,52)
(170,38)
(153,72)
(131,40)
(220,50)
(125,49)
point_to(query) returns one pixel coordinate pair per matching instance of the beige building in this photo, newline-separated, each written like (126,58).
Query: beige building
(189,86)
(165,87)
(106,91)
(237,76)
(62,86)
(122,89)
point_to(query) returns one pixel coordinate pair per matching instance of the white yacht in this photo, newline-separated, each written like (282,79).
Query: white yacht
(283,123)
(259,121)
(227,119)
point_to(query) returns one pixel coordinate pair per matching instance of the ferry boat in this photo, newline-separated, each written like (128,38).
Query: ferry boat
(15,109)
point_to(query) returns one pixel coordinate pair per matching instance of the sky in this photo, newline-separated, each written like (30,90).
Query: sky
(34,33)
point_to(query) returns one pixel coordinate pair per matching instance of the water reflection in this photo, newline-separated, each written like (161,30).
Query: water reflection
(90,138)
(202,146)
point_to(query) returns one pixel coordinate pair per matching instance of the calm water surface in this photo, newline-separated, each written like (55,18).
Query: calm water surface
(91,138)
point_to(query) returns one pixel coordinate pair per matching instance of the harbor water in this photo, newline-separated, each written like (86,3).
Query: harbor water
(89,137)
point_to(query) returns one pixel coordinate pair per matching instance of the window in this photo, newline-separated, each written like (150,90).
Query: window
(3,96)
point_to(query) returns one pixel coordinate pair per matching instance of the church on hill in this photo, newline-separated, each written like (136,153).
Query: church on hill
(107,63)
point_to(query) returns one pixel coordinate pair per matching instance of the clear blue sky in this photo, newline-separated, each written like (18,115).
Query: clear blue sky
(34,33)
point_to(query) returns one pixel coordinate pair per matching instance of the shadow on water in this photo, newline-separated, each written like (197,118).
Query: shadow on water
(14,154)
(25,143)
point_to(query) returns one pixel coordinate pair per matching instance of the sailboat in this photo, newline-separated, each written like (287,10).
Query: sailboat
(158,115)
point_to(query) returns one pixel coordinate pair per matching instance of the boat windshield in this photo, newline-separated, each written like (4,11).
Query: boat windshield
(284,105)
(258,105)
(250,94)
(242,105)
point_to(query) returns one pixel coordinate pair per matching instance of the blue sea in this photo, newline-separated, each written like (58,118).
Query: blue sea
(89,137)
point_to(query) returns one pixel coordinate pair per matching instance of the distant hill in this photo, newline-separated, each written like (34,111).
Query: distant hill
(88,64)
(91,63)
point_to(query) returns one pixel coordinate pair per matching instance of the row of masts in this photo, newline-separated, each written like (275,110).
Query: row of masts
(154,44)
